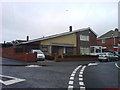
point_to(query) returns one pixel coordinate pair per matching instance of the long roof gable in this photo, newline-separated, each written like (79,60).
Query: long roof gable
(109,34)
(58,35)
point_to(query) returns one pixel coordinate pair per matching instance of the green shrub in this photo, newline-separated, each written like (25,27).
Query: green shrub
(76,56)
(48,57)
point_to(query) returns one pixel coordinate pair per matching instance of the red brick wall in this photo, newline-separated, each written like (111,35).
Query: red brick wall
(93,39)
(109,43)
(10,53)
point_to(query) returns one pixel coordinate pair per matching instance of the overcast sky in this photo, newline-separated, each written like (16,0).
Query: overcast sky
(44,18)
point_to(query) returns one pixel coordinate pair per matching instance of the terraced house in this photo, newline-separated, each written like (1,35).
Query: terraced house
(72,42)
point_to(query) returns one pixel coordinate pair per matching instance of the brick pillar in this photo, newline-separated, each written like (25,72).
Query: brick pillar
(78,43)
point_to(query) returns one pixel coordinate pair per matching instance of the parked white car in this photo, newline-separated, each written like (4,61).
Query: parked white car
(107,56)
(40,54)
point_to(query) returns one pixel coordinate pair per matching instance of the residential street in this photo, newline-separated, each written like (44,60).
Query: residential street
(49,74)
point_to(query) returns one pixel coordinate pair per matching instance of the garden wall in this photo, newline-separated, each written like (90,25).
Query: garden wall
(22,56)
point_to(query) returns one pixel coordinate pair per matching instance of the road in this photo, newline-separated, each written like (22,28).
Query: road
(68,75)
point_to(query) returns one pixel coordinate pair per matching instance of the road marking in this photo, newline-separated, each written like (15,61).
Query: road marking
(82,88)
(70,87)
(9,82)
(74,72)
(117,65)
(92,64)
(81,72)
(71,78)
(81,79)
(70,82)
(33,66)
(80,75)
(81,83)
(72,75)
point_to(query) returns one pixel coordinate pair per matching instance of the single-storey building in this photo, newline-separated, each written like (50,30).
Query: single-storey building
(72,42)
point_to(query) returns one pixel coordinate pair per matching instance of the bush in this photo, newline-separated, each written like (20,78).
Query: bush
(75,56)
(48,57)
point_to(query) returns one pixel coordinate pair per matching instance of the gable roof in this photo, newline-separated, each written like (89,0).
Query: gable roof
(58,35)
(110,34)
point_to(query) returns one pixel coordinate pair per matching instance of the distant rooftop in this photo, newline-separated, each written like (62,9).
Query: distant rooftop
(111,33)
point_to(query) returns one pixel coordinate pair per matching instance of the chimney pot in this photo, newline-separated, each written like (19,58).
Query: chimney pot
(70,28)
(27,38)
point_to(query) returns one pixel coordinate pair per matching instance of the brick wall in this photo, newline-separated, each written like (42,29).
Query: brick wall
(93,39)
(10,53)
(109,43)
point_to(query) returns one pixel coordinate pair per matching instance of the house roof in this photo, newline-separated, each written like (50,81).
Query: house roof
(110,34)
(58,35)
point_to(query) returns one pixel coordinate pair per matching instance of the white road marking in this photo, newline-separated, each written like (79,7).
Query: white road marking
(9,82)
(74,72)
(81,72)
(81,79)
(92,64)
(117,65)
(81,83)
(82,88)
(71,78)
(70,82)
(70,87)
(72,75)
(33,66)
(80,75)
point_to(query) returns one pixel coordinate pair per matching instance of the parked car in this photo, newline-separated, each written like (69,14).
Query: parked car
(114,52)
(107,56)
(40,54)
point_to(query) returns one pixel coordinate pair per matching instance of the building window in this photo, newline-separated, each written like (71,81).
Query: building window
(84,38)
(69,50)
(85,50)
(103,40)
(44,48)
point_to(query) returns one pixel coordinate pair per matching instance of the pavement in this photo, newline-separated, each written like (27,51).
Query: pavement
(12,62)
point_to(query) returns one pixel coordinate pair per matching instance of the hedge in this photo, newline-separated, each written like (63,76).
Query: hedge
(76,56)
(48,57)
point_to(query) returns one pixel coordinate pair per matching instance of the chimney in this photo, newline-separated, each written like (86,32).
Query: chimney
(70,28)
(4,42)
(116,29)
(27,38)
